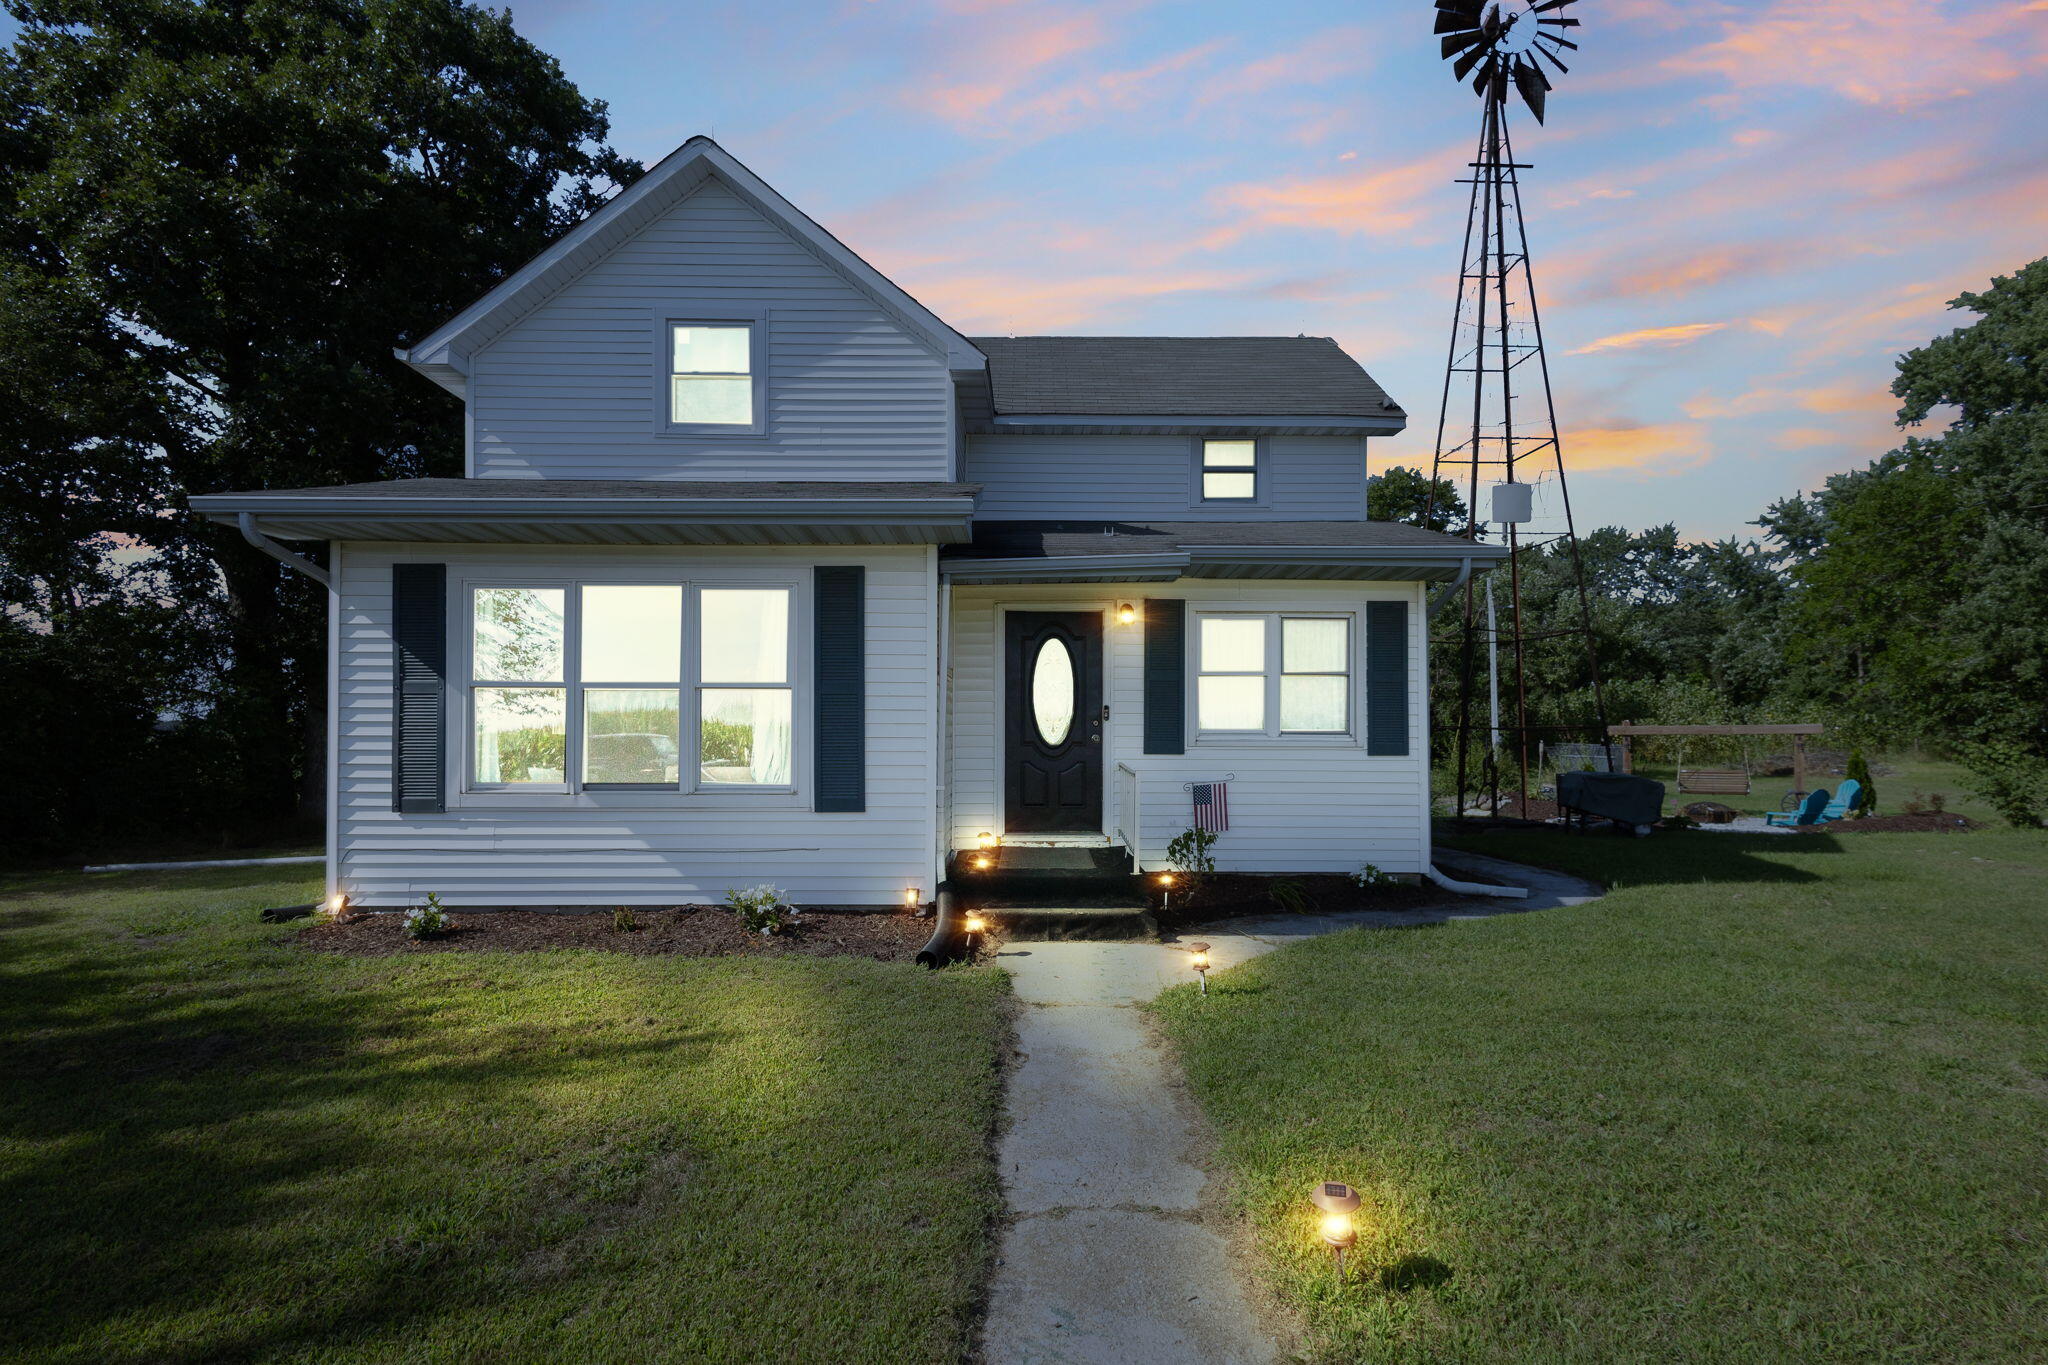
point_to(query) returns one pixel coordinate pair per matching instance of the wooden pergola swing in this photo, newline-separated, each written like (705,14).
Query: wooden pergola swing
(1723,781)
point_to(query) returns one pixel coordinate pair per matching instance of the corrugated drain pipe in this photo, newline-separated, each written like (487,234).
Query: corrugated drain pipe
(948,941)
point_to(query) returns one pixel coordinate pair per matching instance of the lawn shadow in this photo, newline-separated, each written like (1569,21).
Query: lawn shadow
(1665,858)
(1412,1272)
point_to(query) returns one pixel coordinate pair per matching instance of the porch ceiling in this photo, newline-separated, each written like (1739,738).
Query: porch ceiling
(1134,552)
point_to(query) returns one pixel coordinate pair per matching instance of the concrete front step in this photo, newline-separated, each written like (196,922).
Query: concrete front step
(1094,922)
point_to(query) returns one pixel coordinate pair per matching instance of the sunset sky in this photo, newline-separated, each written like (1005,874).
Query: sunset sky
(1740,213)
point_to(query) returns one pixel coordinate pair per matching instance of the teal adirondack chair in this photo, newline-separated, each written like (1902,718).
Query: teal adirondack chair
(1817,809)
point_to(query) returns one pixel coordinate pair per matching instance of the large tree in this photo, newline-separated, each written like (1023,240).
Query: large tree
(218,220)
(1926,599)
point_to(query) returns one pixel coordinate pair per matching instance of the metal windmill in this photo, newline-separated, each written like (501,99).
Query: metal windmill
(1499,420)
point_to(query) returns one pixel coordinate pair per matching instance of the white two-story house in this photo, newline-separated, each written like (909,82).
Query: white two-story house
(761,572)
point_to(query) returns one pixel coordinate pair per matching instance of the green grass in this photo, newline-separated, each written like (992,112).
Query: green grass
(1901,779)
(1770,1099)
(217,1145)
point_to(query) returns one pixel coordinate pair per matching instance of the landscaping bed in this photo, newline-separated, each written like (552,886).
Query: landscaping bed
(1925,822)
(1227,895)
(682,931)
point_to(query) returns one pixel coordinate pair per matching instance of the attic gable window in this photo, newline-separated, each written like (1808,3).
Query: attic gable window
(711,377)
(1230,471)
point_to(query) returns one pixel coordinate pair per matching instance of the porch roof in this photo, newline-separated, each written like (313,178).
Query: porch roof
(607,512)
(1156,552)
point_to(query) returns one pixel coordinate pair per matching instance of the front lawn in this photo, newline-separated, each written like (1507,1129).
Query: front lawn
(1771,1099)
(219,1145)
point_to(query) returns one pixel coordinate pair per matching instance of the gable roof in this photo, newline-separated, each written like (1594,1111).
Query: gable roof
(1298,376)
(443,356)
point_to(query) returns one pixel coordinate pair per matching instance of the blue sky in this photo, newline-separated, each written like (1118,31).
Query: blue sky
(1740,213)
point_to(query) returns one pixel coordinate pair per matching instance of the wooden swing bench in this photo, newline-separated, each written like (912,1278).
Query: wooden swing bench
(1714,781)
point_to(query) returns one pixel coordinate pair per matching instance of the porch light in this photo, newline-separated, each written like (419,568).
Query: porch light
(1125,613)
(1338,1202)
(985,840)
(1199,960)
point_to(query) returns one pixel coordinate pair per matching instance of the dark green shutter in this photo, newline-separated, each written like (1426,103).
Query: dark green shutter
(419,677)
(1165,675)
(839,659)
(1386,678)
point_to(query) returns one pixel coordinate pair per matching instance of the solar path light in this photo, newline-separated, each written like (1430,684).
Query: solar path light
(1338,1202)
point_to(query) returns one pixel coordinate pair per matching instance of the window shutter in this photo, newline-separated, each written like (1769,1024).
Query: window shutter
(419,632)
(1386,678)
(1165,675)
(839,659)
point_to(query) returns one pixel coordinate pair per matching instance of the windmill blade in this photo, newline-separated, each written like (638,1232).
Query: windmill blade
(1551,57)
(1447,22)
(1458,42)
(1468,7)
(1557,38)
(1530,81)
(1560,23)
(1469,60)
(1545,7)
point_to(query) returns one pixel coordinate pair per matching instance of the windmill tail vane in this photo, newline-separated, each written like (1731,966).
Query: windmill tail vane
(1490,433)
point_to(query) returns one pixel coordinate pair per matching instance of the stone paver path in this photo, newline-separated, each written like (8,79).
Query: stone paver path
(1112,1255)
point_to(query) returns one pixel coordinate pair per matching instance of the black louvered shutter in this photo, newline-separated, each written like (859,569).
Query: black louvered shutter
(419,630)
(839,659)
(1165,675)
(1386,678)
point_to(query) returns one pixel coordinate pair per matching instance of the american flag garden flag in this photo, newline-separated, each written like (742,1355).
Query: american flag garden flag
(1212,806)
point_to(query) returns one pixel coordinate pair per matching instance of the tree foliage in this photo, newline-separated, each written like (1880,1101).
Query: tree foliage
(1405,495)
(216,220)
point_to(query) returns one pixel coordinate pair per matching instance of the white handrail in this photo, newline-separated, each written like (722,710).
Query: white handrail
(1127,808)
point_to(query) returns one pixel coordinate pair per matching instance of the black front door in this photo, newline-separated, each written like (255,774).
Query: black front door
(1052,707)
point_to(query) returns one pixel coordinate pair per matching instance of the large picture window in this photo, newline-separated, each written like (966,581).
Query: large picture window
(711,374)
(583,687)
(1272,673)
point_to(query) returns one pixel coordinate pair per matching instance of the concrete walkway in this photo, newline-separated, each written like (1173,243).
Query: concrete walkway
(1113,1253)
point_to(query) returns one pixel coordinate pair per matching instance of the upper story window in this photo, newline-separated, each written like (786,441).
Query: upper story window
(1230,471)
(594,686)
(1246,686)
(711,377)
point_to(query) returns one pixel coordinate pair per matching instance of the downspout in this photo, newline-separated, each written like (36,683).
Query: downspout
(247,521)
(1436,604)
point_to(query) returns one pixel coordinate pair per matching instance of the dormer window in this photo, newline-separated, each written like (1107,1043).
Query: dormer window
(712,376)
(1230,471)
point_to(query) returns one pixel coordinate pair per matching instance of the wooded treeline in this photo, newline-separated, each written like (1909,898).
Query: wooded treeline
(1903,604)
(216,219)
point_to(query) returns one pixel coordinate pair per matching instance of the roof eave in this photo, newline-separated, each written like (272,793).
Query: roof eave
(1077,424)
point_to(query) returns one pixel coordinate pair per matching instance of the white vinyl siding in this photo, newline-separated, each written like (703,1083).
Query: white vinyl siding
(635,847)
(1299,804)
(1158,478)
(579,388)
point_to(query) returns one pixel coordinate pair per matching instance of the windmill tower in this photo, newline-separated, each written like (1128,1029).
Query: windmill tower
(1497,429)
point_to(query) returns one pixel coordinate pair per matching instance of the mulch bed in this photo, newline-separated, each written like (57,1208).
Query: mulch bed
(1226,895)
(1927,822)
(683,931)
(1536,808)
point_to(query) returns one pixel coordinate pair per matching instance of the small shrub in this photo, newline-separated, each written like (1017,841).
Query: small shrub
(1370,875)
(427,921)
(1291,896)
(1191,860)
(1866,793)
(623,921)
(761,909)
(2013,780)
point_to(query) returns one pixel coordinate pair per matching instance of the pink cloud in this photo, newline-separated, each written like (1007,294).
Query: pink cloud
(1679,334)
(1373,201)
(1646,448)
(1896,53)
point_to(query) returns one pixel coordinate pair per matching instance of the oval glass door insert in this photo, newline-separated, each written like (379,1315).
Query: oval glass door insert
(1052,692)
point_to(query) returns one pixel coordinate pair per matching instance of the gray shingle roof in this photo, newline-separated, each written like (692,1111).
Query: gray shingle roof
(1052,539)
(1296,376)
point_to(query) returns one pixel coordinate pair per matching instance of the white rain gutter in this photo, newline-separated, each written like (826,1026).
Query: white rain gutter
(1452,884)
(247,521)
